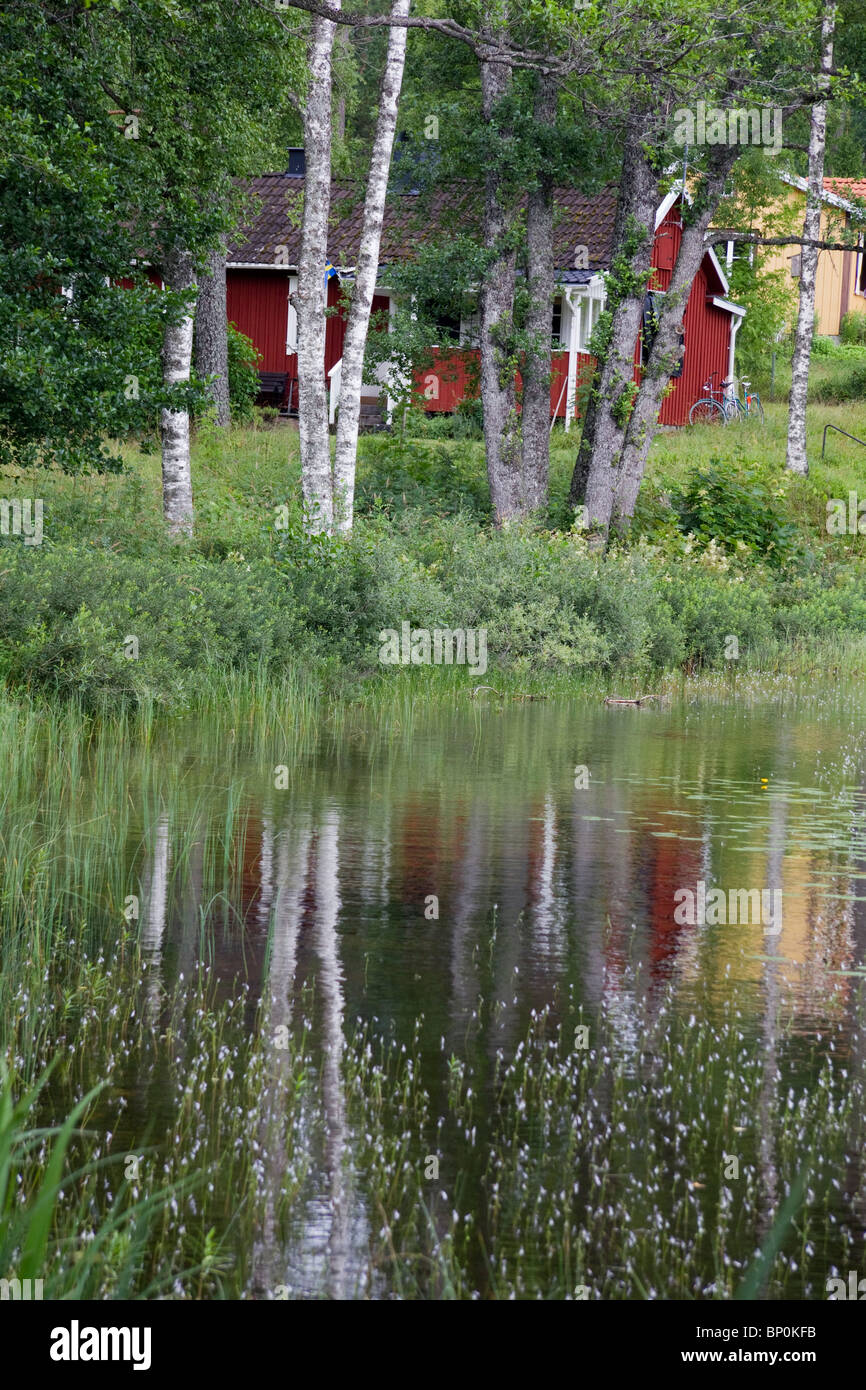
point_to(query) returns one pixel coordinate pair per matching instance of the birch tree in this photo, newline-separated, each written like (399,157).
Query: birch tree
(178,271)
(314,436)
(795,457)
(351,378)
(498,389)
(211,334)
(540,277)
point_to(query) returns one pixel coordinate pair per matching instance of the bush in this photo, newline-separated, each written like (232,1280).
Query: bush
(852,328)
(396,473)
(848,385)
(736,506)
(69,613)
(710,607)
(244,359)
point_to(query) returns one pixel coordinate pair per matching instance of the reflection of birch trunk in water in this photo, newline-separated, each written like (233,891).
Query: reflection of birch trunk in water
(331,987)
(466,906)
(771,949)
(155,887)
(546,916)
(587,928)
(856,1177)
(268,1264)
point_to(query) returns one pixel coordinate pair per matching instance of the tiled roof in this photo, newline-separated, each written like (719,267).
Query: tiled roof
(410,219)
(847,188)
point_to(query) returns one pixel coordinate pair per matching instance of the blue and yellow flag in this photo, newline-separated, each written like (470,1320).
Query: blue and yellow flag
(330,272)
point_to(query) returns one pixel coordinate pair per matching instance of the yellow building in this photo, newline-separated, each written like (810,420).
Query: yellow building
(841,282)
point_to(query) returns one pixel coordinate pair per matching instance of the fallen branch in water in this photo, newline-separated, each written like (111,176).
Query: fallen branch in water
(618,700)
(486,687)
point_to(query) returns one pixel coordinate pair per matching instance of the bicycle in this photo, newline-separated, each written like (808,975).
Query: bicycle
(707,410)
(748,408)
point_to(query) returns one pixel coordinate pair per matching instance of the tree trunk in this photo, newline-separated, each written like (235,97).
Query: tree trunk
(179,275)
(665,350)
(540,275)
(498,391)
(211,334)
(603,435)
(352,371)
(343,43)
(314,437)
(795,458)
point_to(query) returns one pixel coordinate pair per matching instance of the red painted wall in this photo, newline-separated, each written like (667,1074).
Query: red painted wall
(258,304)
(707,328)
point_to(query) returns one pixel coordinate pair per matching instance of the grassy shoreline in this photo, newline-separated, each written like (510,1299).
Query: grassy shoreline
(108,614)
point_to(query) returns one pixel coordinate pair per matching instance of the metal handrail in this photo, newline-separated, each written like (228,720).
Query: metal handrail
(838,431)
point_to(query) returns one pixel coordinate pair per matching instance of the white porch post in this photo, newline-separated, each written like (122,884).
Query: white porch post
(574,303)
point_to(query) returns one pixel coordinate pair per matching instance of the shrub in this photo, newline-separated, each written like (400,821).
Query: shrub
(68,613)
(397,473)
(710,607)
(849,385)
(244,358)
(737,507)
(852,328)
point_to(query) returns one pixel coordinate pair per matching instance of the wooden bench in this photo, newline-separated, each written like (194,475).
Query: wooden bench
(272,388)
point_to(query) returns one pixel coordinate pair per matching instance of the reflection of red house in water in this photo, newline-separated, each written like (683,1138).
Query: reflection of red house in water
(262,277)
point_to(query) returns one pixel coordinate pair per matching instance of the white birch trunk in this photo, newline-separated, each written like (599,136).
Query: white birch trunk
(502,444)
(178,274)
(535,420)
(795,458)
(351,378)
(211,334)
(315,440)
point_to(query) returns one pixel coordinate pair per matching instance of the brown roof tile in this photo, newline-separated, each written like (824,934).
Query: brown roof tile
(846,188)
(410,219)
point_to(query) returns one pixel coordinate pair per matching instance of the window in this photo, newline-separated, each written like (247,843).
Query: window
(448,326)
(556,324)
(470,330)
(648,324)
(649,327)
(861,271)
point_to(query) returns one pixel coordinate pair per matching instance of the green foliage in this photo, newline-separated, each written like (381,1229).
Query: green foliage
(738,507)
(244,360)
(852,328)
(849,385)
(398,472)
(125,130)
(708,607)
(711,554)
(70,610)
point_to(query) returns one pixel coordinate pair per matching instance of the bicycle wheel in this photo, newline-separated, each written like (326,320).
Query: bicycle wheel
(707,412)
(756,409)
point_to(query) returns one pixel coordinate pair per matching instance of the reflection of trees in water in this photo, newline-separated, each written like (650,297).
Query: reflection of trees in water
(330,984)
(155,894)
(282,895)
(583,888)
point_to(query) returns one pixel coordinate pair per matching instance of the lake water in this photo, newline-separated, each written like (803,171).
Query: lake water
(487,1038)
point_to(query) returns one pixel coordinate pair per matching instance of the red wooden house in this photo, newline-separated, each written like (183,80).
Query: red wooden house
(262,276)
